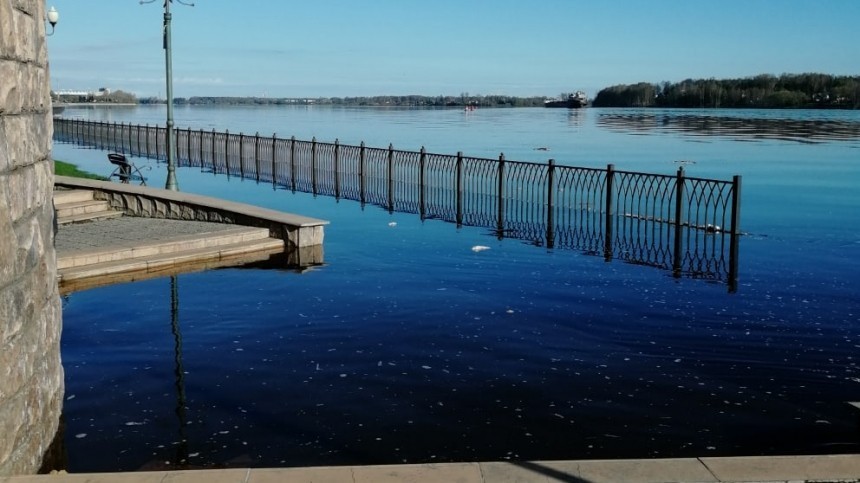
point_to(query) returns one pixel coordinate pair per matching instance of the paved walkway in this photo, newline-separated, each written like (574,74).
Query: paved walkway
(829,468)
(128,230)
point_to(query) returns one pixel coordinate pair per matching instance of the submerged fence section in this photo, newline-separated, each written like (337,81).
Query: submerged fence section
(687,225)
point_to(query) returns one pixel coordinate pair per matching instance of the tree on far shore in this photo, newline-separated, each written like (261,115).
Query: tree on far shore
(809,90)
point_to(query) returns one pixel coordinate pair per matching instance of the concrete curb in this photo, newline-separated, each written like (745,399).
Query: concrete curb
(824,468)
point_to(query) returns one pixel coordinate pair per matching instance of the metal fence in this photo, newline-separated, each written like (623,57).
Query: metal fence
(689,226)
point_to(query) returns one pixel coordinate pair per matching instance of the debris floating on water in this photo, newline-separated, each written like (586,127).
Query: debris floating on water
(479,248)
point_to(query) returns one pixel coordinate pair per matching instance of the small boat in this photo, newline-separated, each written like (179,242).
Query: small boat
(574,101)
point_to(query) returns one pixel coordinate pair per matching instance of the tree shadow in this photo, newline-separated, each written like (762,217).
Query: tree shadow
(555,474)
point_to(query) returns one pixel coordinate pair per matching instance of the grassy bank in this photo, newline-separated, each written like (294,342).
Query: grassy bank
(62,168)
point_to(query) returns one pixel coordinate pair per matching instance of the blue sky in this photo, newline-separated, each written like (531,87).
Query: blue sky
(339,48)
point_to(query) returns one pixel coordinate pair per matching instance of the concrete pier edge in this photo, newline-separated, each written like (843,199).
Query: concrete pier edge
(806,468)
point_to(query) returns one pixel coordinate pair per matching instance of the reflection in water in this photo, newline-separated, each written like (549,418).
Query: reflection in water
(179,372)
(576,117)
(297,259)
(740,128)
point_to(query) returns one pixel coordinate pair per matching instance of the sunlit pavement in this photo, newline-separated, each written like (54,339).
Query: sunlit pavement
(826,468)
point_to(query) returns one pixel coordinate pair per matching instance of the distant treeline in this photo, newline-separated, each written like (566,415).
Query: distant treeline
(462,100)
(761,91)
(98,97)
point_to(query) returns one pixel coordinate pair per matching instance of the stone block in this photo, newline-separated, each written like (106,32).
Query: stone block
(450,472)
(7,32)
(26,141)
(781,468)
(31,89)
(16,306)
(11,424)
(27,188)
(10,88)
(335,474)
(8,240)
(5,162)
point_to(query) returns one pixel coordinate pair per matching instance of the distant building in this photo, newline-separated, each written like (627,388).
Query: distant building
(69,95)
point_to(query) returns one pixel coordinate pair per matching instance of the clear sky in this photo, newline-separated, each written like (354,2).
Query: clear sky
(340,48)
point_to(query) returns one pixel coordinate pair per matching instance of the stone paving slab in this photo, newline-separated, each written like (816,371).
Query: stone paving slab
(781,469)
(802,468)
(632,471)
(129,231)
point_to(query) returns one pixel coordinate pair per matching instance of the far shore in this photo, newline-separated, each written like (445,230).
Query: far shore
(95,104)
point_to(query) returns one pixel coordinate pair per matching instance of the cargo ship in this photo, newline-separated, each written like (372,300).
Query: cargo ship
(574,101)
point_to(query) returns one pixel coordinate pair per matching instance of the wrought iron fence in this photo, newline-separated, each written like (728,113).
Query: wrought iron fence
(689,226)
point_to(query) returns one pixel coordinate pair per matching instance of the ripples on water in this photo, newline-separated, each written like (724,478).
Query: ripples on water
(802,130)
(407,346)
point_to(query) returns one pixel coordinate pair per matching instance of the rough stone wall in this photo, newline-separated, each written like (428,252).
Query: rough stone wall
(31,377)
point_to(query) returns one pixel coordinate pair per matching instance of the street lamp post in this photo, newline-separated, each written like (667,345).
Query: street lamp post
(168,61)
(171,183)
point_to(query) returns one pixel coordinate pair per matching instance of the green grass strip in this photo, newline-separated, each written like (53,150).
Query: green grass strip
(62,168)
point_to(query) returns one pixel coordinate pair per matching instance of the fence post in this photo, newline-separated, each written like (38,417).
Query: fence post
(337,169)
(734,244)
(293,163)
(459,188)
(146,135)
(550,204)
(138,140)
(390,178)
(314,165)
(257,154)
(421,182)
(200,145)
(607,240)
(227,152)
(213,157)
(679,213)
(157,150)
(241,155)
(114,131)
(274,150)
(188,145)
(361,181)
(500,222)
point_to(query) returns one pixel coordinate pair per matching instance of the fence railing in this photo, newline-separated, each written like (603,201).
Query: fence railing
(689,226)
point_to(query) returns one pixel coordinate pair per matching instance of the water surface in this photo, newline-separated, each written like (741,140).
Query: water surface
(407,346)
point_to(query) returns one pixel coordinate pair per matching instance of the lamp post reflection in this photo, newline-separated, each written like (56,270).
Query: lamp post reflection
(182,448)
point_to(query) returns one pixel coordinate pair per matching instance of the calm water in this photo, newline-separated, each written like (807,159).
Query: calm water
(407,346)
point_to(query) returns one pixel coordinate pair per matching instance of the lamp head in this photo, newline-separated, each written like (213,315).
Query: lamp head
(53,16)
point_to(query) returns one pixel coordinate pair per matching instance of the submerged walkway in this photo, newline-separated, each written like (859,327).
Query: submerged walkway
(830,468)
(110,233)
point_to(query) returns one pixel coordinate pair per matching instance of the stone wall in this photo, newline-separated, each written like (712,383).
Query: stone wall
(31,377)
